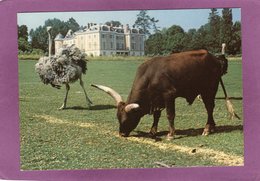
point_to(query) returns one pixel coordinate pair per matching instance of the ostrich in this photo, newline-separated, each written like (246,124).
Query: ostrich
(66,67)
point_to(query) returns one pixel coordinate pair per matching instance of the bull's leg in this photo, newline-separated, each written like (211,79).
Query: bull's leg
(89,102)
(156,117)
(66,96)
(170,110)
(210,125)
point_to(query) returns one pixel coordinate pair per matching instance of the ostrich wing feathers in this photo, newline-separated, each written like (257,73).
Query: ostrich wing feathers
(65,67)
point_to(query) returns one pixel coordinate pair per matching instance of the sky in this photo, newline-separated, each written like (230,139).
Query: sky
(187,19)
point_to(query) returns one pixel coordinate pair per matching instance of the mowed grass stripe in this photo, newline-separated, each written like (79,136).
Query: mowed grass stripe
(54,120)
(216,156)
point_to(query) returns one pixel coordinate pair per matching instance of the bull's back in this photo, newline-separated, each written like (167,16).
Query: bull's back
(181,73)
(179,67)
(178,75)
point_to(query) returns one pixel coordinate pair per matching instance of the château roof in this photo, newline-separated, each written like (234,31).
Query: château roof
(59,37)
(99,27)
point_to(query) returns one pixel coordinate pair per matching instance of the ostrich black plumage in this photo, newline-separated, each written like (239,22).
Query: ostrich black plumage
(66,67)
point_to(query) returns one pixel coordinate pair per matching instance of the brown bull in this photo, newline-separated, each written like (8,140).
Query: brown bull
(159,81)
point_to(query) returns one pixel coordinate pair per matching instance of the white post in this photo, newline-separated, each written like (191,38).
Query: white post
(223,48)
(50,42)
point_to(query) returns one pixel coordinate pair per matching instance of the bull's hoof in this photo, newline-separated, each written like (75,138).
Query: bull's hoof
(153,132)
(205,133)
(169,137)
(208,131)
(123,134)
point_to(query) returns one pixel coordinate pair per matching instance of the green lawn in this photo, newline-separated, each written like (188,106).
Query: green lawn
(81,138)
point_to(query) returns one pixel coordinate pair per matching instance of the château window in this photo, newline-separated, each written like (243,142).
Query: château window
(104,45)
(133,46)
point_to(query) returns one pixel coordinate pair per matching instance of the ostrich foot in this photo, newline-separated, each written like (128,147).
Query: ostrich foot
(89,103)
(62,107)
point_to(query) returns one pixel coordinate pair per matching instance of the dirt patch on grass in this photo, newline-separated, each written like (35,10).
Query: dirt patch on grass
(216,156)
(54,120)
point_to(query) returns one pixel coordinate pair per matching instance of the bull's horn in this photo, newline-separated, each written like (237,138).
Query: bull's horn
(109,91)
(132,106)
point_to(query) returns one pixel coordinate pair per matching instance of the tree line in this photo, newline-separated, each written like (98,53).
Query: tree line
(219,29)
(38,42)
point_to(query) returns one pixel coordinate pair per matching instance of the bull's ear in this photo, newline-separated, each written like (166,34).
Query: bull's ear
(131,107)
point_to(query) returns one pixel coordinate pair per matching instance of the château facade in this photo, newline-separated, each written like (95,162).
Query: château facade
(104,40)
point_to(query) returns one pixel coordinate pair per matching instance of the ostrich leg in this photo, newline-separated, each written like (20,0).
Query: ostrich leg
(89,102)
(66,96)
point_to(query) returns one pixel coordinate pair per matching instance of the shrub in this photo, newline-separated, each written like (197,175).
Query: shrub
(37,52)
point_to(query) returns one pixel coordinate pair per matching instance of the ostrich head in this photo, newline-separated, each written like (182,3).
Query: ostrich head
(48,28)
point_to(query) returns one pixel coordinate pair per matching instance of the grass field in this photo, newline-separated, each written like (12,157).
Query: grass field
(81,138)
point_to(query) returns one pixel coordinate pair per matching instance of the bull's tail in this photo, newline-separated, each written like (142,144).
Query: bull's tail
(223,87)
(229,105)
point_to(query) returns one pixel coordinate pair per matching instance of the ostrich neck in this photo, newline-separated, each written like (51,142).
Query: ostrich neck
(50,43)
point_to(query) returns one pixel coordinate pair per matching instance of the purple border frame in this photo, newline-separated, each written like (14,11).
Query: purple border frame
(9,114)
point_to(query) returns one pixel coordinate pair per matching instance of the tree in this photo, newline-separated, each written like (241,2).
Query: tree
(210,36)
(23,32)
(145,22)
(23,43)
(155,44)
(175,40)
(155,27)
(226,28)
(214,31)
(72,25)
(202,39)
(235,43)
(39,36)
(113,23)
(190,37)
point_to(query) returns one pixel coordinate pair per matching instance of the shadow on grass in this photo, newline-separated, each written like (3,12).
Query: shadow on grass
(93,108)
(101,107)
(234,98)
(77,108)
(141,134)
(187,132)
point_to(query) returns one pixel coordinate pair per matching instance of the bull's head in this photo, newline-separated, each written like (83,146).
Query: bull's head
(127,114)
